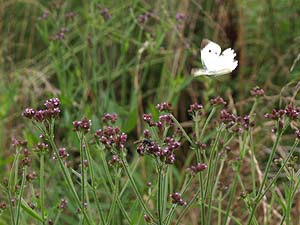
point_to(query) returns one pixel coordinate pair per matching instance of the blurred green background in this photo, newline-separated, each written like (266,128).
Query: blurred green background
(126,56)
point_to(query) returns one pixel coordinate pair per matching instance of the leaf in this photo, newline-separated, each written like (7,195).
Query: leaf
(30,211)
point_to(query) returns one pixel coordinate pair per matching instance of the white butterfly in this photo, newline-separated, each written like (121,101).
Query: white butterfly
(213,61)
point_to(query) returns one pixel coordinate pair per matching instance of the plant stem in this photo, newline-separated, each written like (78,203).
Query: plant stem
(168,218)
(269,163)
(66,174)
(81,150)
(115,196)
(135,189)
(110,181)
(212,112)
(42,186)
(182,130)
(236,178)
(91,171)
(219,131)
(159,197)
(280,170)
(21,194)
(10,185)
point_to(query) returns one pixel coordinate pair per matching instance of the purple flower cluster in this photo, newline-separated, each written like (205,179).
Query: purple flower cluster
(104,12)
(297,133)
(3,205)
(62,152)
(18,143)
(44,16)
(115,160)
(257,92)
(228,118)
(109,117)
(238,123)
(83,125)
(22,146)
(177,199)
(60,35)
(180,16)
(41,147)
(143,18)
(63,203)
(30,176)
(218,101)
(111,136)
(164,151)
(164,120)
(196,107)
(71,15)
(275,114)
(52,111)
(290,111)
(198,168)
(164,106)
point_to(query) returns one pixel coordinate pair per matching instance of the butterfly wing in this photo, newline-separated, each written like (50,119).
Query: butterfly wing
(202,72)
(227,60)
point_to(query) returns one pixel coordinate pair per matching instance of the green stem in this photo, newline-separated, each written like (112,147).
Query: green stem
(11,186)
(159,197)
(212,155)
(91,171)
(135,189)
(201,188)
(66,174)
(207,122)
(280,170)
(110,181)
(236,178)
(168,218)
(115,196)
(21,194)
(42,187)
(182,130)
(269,163)
(219,131)
(80,136)
(57,217)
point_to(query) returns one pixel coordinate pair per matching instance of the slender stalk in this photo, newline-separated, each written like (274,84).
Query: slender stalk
(83,183)
(212,112)
(21,194)
(159,197)
(115,196)
(92,175)
(66,174)
(213,150)
(182,130)
(201,188)
(10,185)
(110,181)
(168,218)
(280,169)
(57,217)
(219,131)
(243,144)
(11,211)
(269,163)
(135,189)
(42,186)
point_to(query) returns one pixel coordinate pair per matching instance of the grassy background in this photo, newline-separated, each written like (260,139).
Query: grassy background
(125,66)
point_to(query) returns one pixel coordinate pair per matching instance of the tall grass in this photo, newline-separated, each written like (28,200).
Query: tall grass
(113,61)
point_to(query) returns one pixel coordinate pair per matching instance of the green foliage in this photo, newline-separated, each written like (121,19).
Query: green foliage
(123,65)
